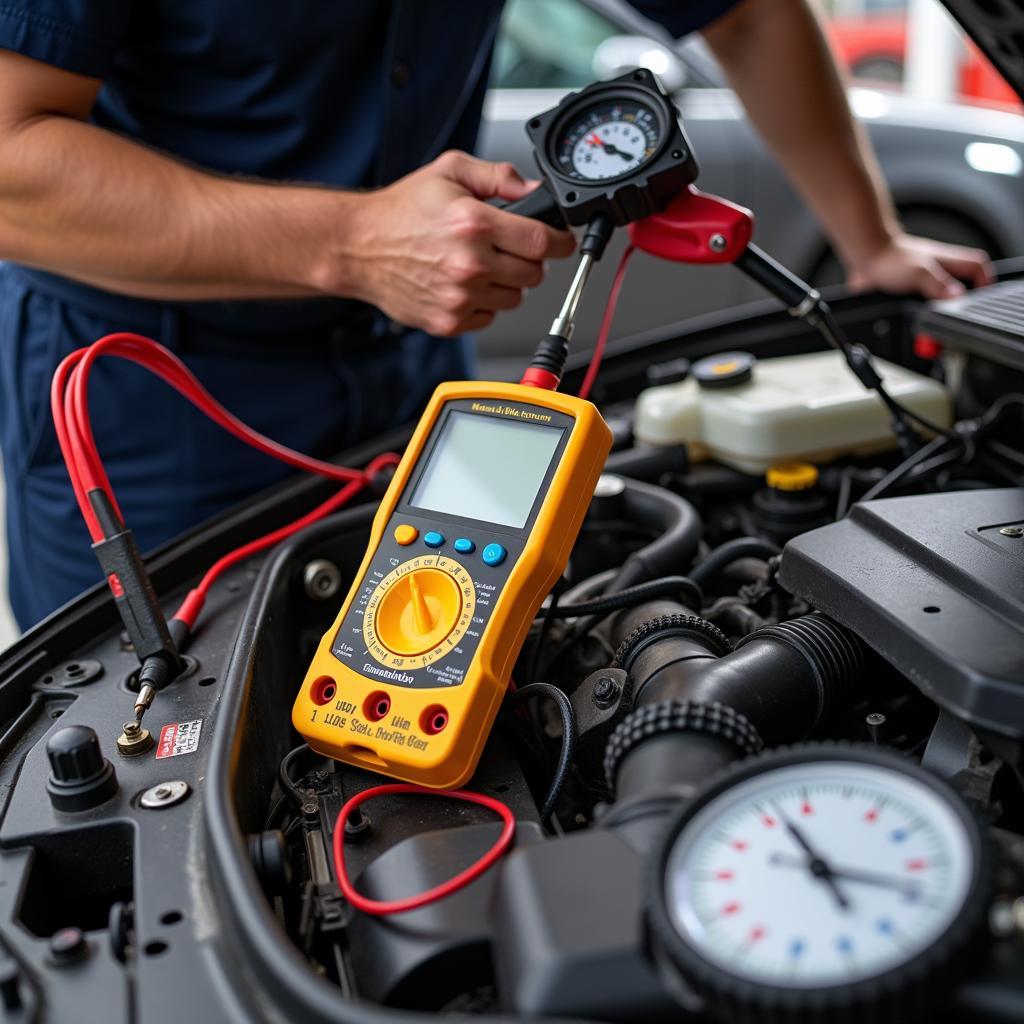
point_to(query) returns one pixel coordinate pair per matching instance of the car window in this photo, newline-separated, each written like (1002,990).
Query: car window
(548,44)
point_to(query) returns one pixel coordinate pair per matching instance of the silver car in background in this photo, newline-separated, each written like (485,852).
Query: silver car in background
(955,170)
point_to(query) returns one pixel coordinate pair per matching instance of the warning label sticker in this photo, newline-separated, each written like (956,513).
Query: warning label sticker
(179,738)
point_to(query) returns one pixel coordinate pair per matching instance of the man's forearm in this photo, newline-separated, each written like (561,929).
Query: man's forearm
(777,59)
(83,202)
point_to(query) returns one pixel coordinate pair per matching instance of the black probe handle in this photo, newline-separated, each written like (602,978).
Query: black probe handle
(771,275)
(538,205)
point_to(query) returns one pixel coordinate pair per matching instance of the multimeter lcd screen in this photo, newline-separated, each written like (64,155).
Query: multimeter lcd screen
(487,469)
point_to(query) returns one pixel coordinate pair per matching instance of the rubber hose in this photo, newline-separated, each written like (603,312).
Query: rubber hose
(679,528)
(732,551)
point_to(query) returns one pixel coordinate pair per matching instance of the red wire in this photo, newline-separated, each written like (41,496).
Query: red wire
(606,323)
(190,608)
(70,405)
(438,892)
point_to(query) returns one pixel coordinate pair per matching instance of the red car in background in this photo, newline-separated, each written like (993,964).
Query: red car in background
(874,48)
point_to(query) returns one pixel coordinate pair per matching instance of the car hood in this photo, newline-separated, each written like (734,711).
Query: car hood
(997,27)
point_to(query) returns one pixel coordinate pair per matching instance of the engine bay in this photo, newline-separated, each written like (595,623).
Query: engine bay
(774,629)
(759,757)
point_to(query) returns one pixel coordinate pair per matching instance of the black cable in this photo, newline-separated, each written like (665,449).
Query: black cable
(729,552)
(845,492)
(1004,451)
(897,473)
(667,586)
(284,778)
(859,360)
(527,693)
(542,634)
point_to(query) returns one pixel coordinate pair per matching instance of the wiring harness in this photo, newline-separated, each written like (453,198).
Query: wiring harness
(156,641)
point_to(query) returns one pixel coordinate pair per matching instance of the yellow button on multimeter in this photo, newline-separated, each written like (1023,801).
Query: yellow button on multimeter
(475,529)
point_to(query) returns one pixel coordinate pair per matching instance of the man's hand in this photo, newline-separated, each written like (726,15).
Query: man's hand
(430,253)
(92,205)
(911,264)
(778,60)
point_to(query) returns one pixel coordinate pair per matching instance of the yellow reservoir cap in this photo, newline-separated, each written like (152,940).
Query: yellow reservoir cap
(791,476)
(418,612)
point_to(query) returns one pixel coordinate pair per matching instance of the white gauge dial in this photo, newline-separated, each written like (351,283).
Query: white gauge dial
(609,150)
(607,140)
(818,873)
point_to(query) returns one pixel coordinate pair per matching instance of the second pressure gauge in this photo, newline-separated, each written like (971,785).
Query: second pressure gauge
(813,882)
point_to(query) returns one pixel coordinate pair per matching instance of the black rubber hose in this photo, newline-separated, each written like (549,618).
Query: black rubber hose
(679,529)
(729,552)
(649,463)
(568,715)
(667,586)
(781,682)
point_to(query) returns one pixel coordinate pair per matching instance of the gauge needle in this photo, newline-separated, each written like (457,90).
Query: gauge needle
(815,863)
(851,874)
(609,147)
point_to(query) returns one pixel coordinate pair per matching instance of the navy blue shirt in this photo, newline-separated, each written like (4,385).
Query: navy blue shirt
(352,94)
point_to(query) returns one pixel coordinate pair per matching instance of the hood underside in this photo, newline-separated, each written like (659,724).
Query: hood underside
(997,27)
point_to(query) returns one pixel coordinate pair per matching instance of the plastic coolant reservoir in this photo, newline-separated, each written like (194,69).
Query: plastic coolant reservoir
(750,413)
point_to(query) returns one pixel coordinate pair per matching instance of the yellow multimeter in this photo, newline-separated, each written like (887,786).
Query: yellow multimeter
(475,529)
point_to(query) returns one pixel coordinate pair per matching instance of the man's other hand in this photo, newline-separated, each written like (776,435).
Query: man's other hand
(430,253)
(907,264)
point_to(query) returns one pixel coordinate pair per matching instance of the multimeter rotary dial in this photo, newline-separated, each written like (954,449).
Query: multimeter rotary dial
(419,612)
(607,140)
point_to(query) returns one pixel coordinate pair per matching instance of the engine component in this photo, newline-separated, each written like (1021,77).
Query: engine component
(985,322)
(792,408)
(408,679)
(792,503)
(889,867)
(80,776)
(938,587)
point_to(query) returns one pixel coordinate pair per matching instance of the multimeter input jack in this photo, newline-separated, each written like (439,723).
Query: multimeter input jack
(377,706)
(323,690)
(434,719)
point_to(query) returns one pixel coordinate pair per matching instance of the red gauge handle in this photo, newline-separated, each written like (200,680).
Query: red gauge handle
(695,228)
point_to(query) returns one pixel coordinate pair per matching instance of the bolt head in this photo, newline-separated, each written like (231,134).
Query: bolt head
(1012,531)
(875,718)
(68,946)
(605,691)
(164,794)
(718,242)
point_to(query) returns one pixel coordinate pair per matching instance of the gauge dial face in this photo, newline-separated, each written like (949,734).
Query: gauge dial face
(607,140)
(818,874)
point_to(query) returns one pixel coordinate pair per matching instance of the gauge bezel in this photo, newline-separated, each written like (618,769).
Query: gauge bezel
(636,193)
(644,97)
(717,984)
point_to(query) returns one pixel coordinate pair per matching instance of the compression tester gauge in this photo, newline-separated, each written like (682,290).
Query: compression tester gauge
(614,149)
(821,883)
(475,529)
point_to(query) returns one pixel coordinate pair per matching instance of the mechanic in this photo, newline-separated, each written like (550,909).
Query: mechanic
(271,191)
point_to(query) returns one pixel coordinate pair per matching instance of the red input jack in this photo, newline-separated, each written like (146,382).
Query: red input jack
(377,706)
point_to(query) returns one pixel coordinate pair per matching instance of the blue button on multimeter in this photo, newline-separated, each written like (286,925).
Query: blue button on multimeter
(464,546)
(493,554)
(433,539)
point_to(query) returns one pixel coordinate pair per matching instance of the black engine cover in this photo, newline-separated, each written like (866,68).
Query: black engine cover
(933,585)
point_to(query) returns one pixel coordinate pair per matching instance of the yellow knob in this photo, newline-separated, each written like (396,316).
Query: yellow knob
(418,611)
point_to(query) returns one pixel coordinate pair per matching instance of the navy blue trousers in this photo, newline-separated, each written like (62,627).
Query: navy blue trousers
(171,468)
